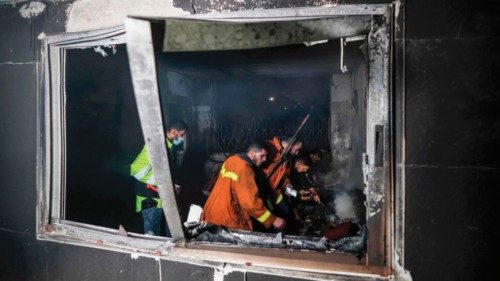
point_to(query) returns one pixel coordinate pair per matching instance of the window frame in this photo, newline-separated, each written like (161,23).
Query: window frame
(51,145)
(52,226)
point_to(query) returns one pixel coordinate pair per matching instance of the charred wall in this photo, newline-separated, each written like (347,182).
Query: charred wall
(452,130)
(449,130)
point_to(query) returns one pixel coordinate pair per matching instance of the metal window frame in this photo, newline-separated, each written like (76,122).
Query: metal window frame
(51,148)
(377,165)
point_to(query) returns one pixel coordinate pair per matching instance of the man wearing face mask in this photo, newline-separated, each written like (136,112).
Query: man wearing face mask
(148,201)
(234,200)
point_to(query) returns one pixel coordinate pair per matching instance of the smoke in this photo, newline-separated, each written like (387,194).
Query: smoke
(333,181)
(328,180)
(344,206)
(345,198)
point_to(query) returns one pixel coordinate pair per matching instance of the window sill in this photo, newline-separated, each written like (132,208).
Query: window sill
(324,262)
(283,262)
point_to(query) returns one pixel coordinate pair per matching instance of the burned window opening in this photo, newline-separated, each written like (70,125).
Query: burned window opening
(255,95)
(171,37)
(52,225)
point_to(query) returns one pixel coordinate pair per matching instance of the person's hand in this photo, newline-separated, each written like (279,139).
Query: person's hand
(305,195)
(315,195)
(279,223)
(177,188)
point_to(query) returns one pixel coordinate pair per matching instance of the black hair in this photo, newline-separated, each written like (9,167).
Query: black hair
(316,151)
(290,139)
(256,146)
(303,160)
(177,124)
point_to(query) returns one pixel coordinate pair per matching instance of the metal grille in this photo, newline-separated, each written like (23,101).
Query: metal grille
(234,137)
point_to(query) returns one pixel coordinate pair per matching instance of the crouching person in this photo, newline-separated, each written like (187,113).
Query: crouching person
(234,199)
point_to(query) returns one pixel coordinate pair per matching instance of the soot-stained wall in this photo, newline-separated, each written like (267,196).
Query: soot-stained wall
(451,130)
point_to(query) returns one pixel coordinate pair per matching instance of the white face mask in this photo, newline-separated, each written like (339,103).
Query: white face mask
(178,141)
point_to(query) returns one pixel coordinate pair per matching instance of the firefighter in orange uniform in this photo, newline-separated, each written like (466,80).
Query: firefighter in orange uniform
(234,199)
(279,179)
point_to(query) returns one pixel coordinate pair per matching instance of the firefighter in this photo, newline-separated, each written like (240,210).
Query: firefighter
(278,171)
(303,182)
(234,199)
(308,210)
(148,201)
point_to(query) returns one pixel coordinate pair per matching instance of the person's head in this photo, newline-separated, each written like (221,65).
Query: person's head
(315,155)
(257,153)
(176,130)
(301,165)
(296,147)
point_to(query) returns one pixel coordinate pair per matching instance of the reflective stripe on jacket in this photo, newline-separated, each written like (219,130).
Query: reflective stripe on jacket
(141,167)
(139,199)
(234,198)
(142,170)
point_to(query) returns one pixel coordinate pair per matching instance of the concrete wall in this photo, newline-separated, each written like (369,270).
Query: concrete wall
(451,128)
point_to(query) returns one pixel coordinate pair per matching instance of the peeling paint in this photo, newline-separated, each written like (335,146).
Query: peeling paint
(84,15)
(366,170)
(42,36)
(220,272)
(239,5)
(31,10)
(186,35)
(12,2)
(398,14)
(401,274)
(100,50)
(374,192)
(374,178)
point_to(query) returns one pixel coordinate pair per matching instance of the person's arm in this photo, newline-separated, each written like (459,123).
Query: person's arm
(172,162)
(141,168)
(248,198)
(276,178)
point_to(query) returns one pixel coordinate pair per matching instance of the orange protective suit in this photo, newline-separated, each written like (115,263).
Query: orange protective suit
(280,178)
(234,198)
